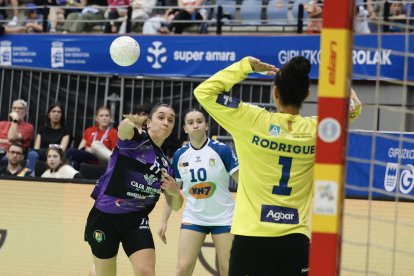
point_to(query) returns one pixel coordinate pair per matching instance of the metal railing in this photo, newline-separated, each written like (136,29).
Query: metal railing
(82,94)
(218,21)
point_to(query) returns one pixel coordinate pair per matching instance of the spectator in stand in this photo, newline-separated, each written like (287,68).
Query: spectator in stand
(360,21)
(315,12)
(58,15)
(97,143)
(33,22)
(190,11)
(94,11)
(116,14)
(375,10)
(152,25)
(58,166)
(14,156)
(16,130)
(54,132)
(397,15)
(141,10)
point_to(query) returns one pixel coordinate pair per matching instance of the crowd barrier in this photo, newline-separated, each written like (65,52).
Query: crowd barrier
(380,164)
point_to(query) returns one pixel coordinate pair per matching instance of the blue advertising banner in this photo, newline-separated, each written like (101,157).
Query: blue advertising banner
(388,176)
(198,56)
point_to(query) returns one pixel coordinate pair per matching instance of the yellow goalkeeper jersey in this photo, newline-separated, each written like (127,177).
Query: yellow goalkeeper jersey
(276,153)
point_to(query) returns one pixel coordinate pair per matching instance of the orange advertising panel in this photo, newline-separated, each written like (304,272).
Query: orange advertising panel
(42,227)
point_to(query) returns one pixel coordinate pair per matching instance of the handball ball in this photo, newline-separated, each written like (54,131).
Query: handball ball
(124,51)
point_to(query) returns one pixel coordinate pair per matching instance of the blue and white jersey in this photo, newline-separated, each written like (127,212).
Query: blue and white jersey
(205,175)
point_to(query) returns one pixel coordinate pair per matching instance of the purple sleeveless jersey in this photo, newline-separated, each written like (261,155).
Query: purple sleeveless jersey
(133,178)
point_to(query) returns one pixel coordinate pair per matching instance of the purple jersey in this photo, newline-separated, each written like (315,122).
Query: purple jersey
(133,179)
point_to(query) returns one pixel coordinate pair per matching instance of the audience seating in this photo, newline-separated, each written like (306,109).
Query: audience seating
(251,10)
(91,171)
(40,168)
(275,11)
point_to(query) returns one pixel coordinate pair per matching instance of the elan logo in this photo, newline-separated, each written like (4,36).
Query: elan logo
(332,63)
(157,52)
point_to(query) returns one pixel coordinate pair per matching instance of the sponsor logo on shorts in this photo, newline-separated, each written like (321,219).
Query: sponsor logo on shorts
(279,214)
(99,236)
(144,224)
(202,190)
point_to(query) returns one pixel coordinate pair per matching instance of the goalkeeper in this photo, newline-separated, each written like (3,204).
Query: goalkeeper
(276,152)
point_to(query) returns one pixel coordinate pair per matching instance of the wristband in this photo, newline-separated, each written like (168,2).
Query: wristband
(15,121)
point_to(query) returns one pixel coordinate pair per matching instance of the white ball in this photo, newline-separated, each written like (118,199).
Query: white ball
(124,51)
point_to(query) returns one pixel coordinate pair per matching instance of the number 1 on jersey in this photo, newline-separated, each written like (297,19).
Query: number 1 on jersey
(283,188)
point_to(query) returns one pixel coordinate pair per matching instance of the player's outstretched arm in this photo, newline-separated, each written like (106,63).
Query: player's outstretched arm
(126,127)
(225,110)
(164,218)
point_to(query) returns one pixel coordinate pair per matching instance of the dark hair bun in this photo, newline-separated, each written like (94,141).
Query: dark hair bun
(299,66)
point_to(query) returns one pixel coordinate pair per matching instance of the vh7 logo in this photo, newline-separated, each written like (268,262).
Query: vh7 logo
(332,63)
(203,190)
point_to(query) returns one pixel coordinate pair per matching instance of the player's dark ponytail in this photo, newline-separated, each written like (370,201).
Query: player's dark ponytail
(293,81)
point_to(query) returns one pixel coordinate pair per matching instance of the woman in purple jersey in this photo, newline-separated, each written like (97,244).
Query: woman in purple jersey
(128,191)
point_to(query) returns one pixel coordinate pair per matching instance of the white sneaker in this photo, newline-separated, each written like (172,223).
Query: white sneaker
(13,22)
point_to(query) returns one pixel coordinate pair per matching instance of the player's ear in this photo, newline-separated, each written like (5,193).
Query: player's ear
(307,94)
(185,130)
(276,92)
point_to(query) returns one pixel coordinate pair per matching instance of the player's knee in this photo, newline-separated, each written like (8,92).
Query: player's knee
(146,270)
(183,269)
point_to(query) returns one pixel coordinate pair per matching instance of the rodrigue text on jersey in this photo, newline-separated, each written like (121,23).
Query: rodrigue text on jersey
(264,143)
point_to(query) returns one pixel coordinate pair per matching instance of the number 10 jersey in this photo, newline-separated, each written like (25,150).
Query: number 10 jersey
(205,175)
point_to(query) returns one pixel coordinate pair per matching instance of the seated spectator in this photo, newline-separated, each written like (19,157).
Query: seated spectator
(16,130)
(58,166)
(360,21)
(3,13)
(397,15)
(141,10)
(188,12)
(97,143)
(14,156)
(375,10)
(10,30)
(33,22)
(115,14)
(314,12)
(152,25)
(58,15)
(54,132)
(94,11)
